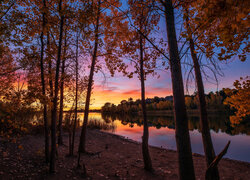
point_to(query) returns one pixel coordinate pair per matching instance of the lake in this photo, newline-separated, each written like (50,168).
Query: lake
(162,133)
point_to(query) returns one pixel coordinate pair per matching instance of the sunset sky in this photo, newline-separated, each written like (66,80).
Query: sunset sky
(115,89)
(118,88)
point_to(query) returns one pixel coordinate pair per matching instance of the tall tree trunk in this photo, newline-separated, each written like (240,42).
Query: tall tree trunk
(186,167)
(50,68)
(46,128)
(76,101)
(206,136)
(91,75)
(145,150)
(54,110)
(60,138)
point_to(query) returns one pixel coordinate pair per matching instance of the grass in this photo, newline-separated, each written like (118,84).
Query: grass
(101,125)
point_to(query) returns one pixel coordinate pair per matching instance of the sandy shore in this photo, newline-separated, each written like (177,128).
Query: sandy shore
(118,158)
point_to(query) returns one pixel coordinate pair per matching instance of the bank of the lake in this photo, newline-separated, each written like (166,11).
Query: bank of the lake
(118,158)
(162,132)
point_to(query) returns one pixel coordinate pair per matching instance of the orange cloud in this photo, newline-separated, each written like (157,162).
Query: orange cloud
(101,95)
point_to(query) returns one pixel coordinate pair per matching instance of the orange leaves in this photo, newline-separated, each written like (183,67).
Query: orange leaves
(239,99)
(221,24)
(10,126)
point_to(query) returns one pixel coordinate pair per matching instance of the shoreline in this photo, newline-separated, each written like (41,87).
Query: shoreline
(118,158)
(162,148)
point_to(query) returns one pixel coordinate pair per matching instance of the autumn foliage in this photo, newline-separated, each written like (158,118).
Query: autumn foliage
(239,100)
(51,52)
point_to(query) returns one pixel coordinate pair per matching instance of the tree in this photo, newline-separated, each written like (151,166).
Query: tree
(205,130)
(10,19)
(60,139)
(238,99)
(145,20)
(46,129)
(7,71)
(221,27)
(186,167)
(31,60)
(90,81)
(76,96)
(104,24)
(55,98)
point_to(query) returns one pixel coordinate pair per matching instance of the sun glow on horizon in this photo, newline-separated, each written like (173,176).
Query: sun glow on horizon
(101,95)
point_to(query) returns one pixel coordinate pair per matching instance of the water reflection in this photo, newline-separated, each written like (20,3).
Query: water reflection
(162,133)
(218,122)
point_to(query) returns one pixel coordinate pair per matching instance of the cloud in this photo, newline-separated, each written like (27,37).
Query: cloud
(135,91)
(122,88)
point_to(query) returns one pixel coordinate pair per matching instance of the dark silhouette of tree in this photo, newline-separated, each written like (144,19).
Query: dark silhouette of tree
(76,97)
(186,167)
(55,98)
(90,82)
(60,138)
(46,128)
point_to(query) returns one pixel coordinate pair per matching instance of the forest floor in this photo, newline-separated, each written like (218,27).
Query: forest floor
(113,157)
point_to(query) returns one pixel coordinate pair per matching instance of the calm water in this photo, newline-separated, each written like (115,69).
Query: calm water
(162,133)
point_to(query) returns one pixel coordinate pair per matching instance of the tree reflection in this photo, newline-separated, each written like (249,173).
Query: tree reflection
(218,122)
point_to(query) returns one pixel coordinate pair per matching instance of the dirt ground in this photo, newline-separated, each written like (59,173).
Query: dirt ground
(114,158)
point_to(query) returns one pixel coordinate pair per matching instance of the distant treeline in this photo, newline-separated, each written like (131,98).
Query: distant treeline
(214,101)
(82,110)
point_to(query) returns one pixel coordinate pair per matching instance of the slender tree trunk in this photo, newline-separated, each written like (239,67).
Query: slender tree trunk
(60,138)
(145,150)
(70,143)
(51,89)
(76,101)
(186,167)
(50,69)
(91,75)
(54,110)
(69,125)
(206,136)
(46,128)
